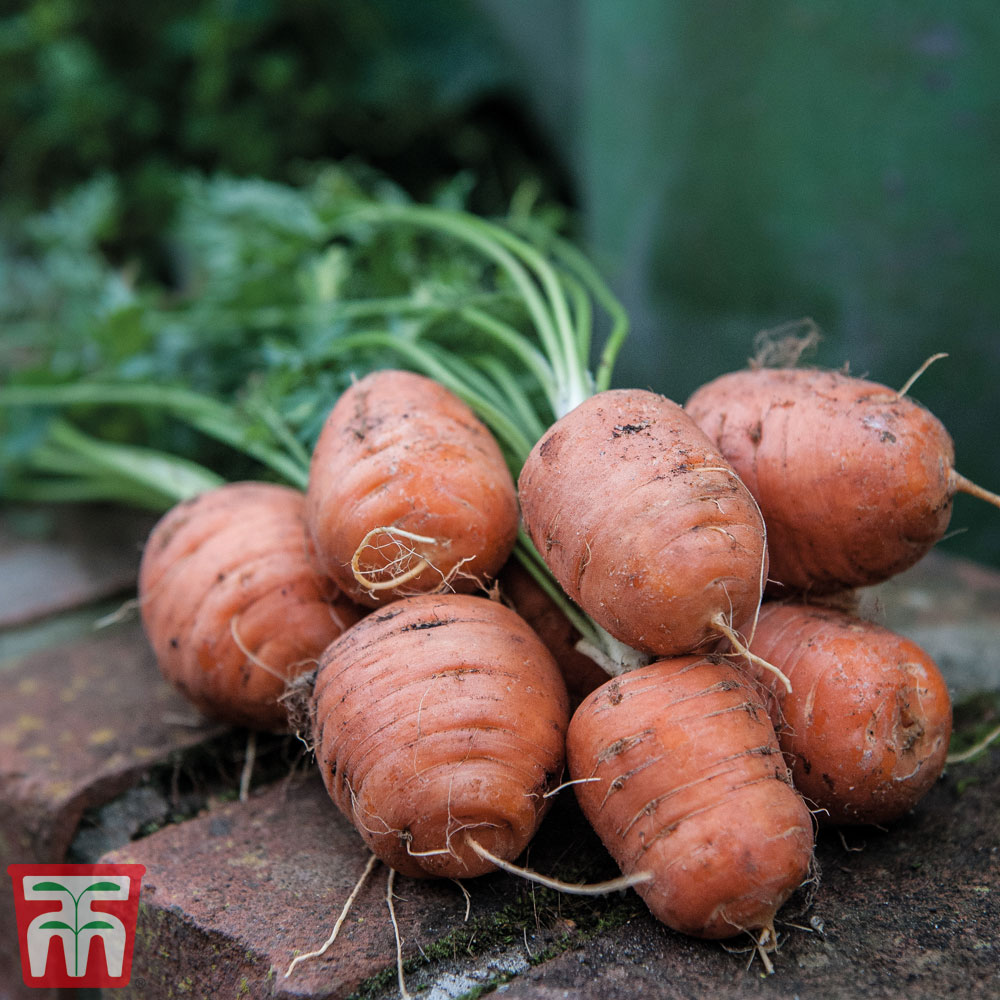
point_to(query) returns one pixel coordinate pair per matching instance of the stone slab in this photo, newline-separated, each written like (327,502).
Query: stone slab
(79,724)
(231,897)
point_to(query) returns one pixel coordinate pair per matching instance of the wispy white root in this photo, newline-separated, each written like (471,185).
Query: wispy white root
(403,993)
(737,643)
(248,764)
(406,564)
(571,888)
(372,861)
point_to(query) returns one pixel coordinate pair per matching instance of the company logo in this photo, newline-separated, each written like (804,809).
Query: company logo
(76,923)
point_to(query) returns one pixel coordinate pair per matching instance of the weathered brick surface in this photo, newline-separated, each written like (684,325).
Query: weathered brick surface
(79,724)
(229,899)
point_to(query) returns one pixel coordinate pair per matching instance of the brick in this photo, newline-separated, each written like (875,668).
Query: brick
(79,724)
(230,897)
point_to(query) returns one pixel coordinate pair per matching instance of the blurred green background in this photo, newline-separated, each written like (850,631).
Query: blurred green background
(729,167)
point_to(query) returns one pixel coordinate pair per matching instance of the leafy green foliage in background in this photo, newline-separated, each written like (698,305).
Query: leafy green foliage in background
(734,167)
(251,87)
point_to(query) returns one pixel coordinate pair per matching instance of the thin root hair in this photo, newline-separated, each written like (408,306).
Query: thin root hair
(571,888)
(372,861)
(390,884)
(908,384)
(741,648)
(252,657)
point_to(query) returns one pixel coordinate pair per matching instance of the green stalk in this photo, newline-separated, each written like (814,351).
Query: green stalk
(87,468)
(506,336)
(532,561)
(205,414)
(578,264)
(491,241)
(526,416)
(296,315)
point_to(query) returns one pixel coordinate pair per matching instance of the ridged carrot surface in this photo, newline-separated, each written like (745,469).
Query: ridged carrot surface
(855,481)
(643,523)
(867,723)
(233,603)
(437,718)
(680,774)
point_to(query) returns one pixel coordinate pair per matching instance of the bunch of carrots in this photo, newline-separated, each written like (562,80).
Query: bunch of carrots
(493,575)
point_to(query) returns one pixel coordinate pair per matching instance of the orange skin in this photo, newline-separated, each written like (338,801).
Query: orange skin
(437,718)
(854,481)
(643,523)
(527,598)
(400,451)
(237,559)
(867,724)
(691,787)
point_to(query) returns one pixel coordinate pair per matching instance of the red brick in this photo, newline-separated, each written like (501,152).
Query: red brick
(229,899)
(79,724)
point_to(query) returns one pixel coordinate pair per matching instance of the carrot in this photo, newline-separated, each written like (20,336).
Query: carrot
(232,603)
(855,480)
(643,523)
(440,721)
(866,726)
(529,600)
(408,492)
(680,774)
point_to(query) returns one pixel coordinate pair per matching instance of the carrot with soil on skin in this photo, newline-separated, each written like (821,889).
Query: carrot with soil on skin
(439,724)
(854,479)
(644,524)
(233,604)
(866,726)
(691,786)
(408,492)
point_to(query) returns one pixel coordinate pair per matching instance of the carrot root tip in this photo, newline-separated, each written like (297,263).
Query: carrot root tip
(959,484)
(765,943)
(719,623)
(398,546)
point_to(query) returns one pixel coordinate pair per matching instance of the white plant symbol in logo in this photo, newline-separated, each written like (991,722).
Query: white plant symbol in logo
(76,924)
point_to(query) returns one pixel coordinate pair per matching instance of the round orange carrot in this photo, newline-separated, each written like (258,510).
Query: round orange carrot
(643,523)
(233,604)
(680,774)
(438,719)
(855,481)
(866,725)
(408,492)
